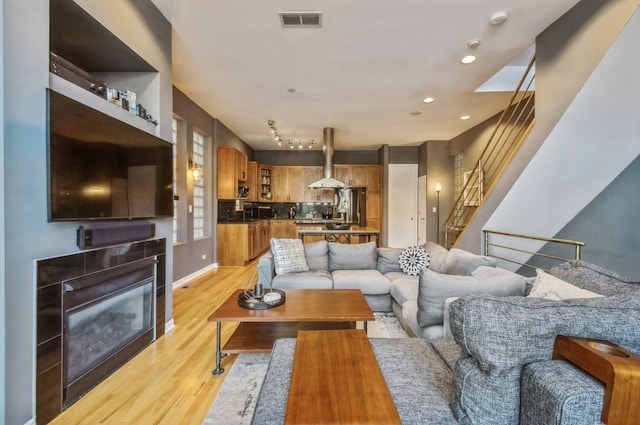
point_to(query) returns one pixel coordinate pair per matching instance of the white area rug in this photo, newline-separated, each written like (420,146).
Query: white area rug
(237,398)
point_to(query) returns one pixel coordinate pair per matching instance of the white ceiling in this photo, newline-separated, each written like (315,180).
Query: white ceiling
(363,72)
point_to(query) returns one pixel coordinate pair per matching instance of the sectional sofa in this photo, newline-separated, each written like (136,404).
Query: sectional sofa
(497,368)
(416,295)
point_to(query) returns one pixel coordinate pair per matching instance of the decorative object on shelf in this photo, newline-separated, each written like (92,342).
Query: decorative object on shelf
(414,259)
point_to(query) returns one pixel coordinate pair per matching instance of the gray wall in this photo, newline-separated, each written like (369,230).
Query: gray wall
(2,223)
(314,157)
(608,225)
(27,232)
(188,253)
(439,169)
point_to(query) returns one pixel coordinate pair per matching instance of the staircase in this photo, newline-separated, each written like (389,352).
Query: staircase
(510,132)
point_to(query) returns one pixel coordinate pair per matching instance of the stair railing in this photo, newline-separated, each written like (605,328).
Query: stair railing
(511,130)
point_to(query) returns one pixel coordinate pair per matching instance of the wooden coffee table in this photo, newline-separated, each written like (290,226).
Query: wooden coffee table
(304,309)
(336,379)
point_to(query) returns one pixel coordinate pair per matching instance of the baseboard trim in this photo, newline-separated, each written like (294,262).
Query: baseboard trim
(178,283)
(169,326)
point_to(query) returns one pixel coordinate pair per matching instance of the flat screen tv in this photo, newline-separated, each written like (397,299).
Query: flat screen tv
(100,168)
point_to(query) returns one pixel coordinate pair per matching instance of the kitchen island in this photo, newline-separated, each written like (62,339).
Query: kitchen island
(365,234)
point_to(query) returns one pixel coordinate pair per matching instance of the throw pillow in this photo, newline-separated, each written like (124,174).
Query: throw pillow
(462,263)
(552,288)
(434,288)
(413,259)
(288,256)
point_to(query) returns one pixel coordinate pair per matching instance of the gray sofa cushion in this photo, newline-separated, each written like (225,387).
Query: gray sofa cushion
(435,288)
(363,256)
(558,393)
(594,278)
(314,279)
(403,290)
(370,282)
(501,335)
(462,263)
(389,260)
(437,255)
(317,254)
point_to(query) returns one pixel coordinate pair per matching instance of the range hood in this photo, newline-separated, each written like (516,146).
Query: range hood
(328,182)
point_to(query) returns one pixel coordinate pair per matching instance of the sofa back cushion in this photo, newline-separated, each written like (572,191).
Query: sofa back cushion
(317,254)
(499,336)
(434,288)
(437,255)
(389,260)
(461,262)
(363,256)
(594,278)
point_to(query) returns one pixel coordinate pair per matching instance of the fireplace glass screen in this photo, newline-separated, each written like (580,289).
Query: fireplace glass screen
(103,327)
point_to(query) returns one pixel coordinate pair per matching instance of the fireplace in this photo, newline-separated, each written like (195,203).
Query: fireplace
(96,310)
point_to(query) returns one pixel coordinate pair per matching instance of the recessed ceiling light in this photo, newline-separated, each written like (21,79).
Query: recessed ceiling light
(473,44)
(292,90)
(468,59)
(498,18)
(428,100)
(415,112)
(464,117)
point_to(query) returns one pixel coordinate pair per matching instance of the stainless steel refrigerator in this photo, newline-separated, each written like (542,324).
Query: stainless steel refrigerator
(351,205)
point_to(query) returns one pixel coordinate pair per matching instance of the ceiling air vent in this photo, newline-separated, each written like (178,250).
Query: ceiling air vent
(301,19)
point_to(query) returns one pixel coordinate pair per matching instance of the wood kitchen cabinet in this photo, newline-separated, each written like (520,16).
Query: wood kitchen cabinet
(252,181)
(232,172)
(239,243)
(360,175)
(291,184)
(264,186)
(283,229)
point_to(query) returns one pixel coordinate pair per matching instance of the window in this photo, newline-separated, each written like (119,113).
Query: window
(198,186)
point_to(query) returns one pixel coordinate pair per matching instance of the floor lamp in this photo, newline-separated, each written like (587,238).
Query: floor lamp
(438,189)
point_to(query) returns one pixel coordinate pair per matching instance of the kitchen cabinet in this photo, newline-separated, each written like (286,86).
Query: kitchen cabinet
(232,172)
(291,184)
(264,183)
(359,175)
(239,243)
(252,181)
(233,244)
(287,184)
(283,229)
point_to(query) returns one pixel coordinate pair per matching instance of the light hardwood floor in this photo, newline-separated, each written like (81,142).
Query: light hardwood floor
(170,382)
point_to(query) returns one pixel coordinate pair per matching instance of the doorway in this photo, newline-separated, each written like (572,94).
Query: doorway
(402,207)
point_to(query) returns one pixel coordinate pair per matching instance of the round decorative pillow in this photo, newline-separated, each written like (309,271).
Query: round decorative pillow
(413,259)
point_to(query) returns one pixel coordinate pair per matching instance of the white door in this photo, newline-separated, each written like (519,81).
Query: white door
(402,206)
(422,210)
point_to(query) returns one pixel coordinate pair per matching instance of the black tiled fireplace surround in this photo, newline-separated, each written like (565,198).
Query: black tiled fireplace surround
(51,273)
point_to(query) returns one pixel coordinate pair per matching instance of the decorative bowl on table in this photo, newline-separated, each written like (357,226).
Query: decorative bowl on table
(337,226)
